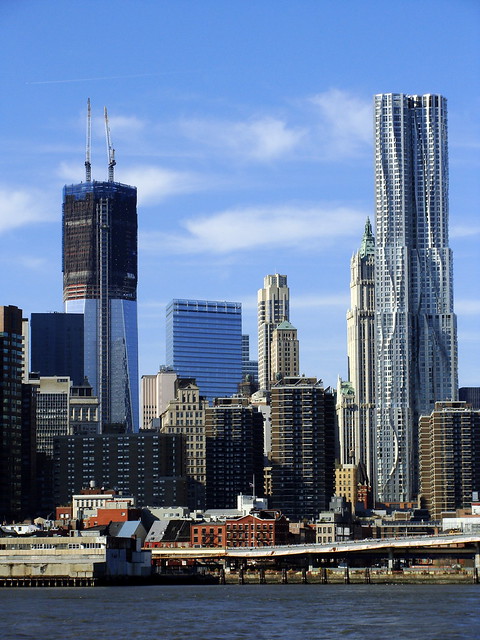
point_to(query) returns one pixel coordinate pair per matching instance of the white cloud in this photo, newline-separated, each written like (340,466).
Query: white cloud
(345,122)
(18,208)
(254,227)
(261,139)
(464,231)
(154,184)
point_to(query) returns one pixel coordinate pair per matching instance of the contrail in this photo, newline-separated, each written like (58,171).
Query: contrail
(140,75)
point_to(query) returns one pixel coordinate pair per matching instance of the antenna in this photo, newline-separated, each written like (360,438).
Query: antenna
(110,149)
(88,164)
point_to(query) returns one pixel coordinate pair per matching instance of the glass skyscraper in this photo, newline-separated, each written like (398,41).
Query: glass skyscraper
(415,332)
(100,281)
(204,341)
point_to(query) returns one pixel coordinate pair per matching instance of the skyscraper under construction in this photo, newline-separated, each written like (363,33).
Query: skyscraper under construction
(100,281)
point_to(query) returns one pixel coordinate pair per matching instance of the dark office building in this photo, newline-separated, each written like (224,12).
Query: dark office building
(147,465)
(56,345)
(11,357)
(303,447)
(234,446)
(470,395)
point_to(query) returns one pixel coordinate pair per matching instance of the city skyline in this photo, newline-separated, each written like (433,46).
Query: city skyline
(251,155)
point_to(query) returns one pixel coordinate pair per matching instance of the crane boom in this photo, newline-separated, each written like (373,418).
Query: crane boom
(110,149)
(88,164)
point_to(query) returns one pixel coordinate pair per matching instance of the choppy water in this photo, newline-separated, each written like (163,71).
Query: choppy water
(263,612)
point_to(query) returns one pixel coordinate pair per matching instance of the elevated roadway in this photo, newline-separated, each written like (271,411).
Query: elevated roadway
(454,544)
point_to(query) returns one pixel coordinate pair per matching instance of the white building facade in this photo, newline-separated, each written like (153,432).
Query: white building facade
(415,332)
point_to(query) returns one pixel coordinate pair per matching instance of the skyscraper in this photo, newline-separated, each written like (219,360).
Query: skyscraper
(204,341)
(361,360)
(415,343)
(100,281)
(303,452)
(273,308)
(56,345)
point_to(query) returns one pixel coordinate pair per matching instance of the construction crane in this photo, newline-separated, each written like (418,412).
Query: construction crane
(110,149)
(88,164)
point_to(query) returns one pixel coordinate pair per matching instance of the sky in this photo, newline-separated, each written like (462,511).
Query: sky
(247,129)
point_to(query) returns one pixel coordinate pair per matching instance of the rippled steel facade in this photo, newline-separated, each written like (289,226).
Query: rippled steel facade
(415,330)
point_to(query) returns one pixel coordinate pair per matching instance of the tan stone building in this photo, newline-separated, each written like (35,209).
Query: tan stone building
(449,456)
(186,415)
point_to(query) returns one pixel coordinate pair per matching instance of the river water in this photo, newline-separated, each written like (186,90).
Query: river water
(240,612)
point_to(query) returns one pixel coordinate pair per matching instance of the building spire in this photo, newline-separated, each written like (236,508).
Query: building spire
(367,247)
(88,164)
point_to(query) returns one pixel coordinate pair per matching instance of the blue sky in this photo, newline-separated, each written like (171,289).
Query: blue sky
(247,129)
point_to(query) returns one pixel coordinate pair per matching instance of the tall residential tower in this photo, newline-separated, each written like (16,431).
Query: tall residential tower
(416,347)
(100,281)
(273,308)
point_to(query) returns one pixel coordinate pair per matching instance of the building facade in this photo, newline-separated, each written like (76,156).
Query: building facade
(100,282)
(302,448)
(415,332)
(149,466)
(204,341)
(11,345)
(157,391)
(361,354)
(449,456)
(284,354)
(185,415)
(273,308)
(234,451)
(56,345)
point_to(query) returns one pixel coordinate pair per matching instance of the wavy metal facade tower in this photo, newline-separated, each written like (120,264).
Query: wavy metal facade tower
(415,343)
(100,281)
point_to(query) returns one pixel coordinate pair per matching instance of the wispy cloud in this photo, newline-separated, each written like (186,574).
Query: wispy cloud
(154,184)
(345,122)
(321,302)
(261,139)
(464,231)
(255,227)
(69,80)
(20,207)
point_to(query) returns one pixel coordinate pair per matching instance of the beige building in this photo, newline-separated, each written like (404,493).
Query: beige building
(186,415)
(284,352)
(346,483)
(273,308)
(360,444)
(449,457)
(156,392)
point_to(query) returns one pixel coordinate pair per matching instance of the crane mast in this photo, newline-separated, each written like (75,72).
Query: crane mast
(110,149)
(88,164)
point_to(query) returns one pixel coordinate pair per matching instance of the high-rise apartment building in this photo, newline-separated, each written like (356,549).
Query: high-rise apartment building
(449,455)
(204,342)
(359,442)
(56,345)
(273,308)
(100,282)
(234,451)
(284,352)
(147,465)
(249,367)
(302,450)
(415,333)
